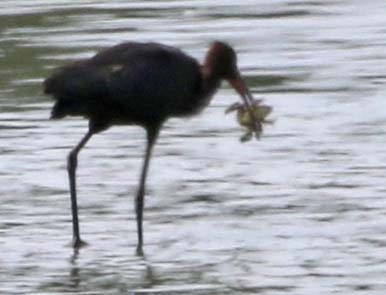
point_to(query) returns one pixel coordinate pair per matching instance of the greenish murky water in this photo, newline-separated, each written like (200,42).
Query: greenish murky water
(300,212)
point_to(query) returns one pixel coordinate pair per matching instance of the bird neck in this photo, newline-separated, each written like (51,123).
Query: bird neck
(211,81)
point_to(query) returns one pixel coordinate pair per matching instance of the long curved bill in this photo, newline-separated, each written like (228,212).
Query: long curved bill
(239,85)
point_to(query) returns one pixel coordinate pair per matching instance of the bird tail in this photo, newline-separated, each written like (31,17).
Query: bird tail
(59,110)
(68,107)
(75,88)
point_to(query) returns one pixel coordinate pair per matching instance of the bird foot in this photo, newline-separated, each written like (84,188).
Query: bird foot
(77,243)
(139,251)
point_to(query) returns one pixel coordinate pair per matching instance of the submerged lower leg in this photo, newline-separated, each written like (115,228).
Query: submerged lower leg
(139,202)
(72,163)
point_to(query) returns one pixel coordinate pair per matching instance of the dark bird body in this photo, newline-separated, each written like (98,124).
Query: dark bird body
(142,84)
(128,84)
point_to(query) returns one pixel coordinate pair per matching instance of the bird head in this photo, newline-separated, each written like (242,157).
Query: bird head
(221,60)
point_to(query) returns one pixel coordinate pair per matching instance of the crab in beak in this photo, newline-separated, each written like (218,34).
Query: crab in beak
(244,118)
(239,85)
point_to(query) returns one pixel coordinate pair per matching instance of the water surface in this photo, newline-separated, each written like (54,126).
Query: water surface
(300,212)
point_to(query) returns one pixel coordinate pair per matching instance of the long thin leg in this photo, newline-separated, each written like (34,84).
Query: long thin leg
(152,134)
(72,163)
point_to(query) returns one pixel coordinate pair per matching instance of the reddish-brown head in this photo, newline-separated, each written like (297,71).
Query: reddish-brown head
(221,61)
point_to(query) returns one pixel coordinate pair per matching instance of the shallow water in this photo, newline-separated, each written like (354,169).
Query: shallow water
(300,212)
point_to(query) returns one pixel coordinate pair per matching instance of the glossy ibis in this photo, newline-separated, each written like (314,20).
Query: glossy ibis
(142,84)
